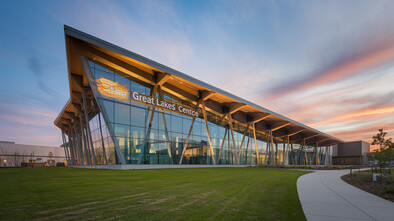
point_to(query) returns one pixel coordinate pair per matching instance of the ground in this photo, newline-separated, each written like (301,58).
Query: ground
(165,194)
(384,187)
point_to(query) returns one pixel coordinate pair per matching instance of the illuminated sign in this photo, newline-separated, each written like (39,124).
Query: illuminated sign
(115,90)
(112,89)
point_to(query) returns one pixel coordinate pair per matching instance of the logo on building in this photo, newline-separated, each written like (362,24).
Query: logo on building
(112,89)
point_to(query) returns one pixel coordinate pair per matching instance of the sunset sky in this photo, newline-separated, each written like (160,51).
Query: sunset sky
(327,64)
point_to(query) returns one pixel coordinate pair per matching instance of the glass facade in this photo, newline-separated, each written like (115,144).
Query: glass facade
(125,130)
(128,123)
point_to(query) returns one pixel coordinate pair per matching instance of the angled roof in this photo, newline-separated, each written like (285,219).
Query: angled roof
(182,85)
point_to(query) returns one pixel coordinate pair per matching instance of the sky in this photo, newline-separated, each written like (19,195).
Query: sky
(326,64)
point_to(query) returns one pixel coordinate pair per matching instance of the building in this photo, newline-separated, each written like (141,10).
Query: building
(14,155)
(351,153)
(128,109)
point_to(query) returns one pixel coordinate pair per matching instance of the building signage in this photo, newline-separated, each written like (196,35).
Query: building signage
(115,90)
(112,89)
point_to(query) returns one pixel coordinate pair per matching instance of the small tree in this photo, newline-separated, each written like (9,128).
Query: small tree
(385,154)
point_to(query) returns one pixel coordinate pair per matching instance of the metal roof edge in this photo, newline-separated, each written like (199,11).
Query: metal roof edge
(61,112)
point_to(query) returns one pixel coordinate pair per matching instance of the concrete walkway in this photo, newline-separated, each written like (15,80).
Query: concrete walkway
(324,196)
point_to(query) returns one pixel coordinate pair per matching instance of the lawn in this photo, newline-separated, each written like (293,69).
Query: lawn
(383,187)
(165,194)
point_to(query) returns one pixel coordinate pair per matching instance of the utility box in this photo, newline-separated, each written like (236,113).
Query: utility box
(351,153)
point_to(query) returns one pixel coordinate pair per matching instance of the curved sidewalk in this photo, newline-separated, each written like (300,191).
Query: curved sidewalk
(324,196)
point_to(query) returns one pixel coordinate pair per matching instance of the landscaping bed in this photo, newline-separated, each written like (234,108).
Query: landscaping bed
(383,187)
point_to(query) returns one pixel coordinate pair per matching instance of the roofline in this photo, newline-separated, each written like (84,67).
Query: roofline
(111,47)
(63,109)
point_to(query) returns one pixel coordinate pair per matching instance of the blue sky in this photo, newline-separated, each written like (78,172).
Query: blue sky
(328,64)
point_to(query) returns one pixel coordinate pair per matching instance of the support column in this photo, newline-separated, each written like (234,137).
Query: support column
(187,141)
(102,140)
(284,150)
(77,154)
(69,148)
(276,154)
(88,161)
(232,135)
(79,143)
(317,154)
(88,128)
(165,126)
(292,153)
(85,132)
(272,148)
(255,144)
(246,151)
(242,141)
(208,134)
(221,145)
(266,148)
(65,148)
(147,136)
(306,155)
(71,142)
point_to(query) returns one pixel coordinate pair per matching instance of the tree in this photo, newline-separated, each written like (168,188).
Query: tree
(385,154)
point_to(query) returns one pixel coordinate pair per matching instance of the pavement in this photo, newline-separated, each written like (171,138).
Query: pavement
(324,196)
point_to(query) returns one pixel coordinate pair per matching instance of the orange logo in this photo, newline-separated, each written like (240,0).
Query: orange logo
(112,89)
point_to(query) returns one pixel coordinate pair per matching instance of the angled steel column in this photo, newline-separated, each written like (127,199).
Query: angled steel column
(79,143)
(255,144)
(242,141)
(228,147)
(85,109)
(85,132)
(102,140)
(266,148)
(232,135)
(292,153)
(299,154)
(65,148)
(85,142)
(75,147)
(187,141)
(316,155)
(208,134)
(221,146)
(286,143)
(326,150)
(70,148)
(165,127)
(83,139)
(306,155)
(147,136)
(272,148)
(246,151)
(276,153)
(72,145)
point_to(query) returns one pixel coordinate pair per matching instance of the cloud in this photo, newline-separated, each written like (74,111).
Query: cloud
(38,68)
(341,67)
(147,27)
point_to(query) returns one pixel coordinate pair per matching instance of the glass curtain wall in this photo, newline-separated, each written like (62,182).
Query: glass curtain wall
(127,122)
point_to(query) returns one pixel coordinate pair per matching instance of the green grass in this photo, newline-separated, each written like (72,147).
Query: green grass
(166,194)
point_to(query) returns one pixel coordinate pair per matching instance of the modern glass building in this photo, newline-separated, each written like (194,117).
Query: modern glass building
(128,109)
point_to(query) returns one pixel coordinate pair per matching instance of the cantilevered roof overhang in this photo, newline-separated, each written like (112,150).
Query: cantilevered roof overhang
(179,84)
